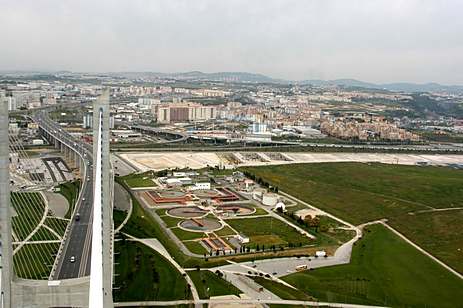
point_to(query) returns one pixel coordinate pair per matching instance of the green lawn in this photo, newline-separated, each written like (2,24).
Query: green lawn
(226,230)
(43,234)
(135,180)
(268,231)
(171,221)
(29,208)
(143,274)
(327,234)
(58,225)
(140,224)
(118,217)
(363,192)
(210,284)
(195,247)
(34,261)
(439,233)
(186,235)
(70,191)
(260,211)
(282,291)
(360,192)
(384,270)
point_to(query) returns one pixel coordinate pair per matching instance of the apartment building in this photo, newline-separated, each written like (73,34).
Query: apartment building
(184,112)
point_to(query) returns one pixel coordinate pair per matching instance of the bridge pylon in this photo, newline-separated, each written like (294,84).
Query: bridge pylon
(6,248)
(101,273)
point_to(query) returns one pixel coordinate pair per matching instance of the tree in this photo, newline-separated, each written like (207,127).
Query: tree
(315,223)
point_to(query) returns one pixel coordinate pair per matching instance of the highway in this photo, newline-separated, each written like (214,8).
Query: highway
(180,136)
(77,243)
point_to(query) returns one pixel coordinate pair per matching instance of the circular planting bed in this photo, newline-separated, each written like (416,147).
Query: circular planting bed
(186,212)
(171,194)
(201,225)
(206,193)
(237,209)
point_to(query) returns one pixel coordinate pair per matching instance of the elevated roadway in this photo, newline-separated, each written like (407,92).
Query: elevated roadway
(77,242)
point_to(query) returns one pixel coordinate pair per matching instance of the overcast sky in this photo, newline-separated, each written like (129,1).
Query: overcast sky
(371,40)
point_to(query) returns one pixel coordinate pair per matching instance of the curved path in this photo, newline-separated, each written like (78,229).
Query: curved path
(383,222)
(241,301)
(39,225)
(154,244)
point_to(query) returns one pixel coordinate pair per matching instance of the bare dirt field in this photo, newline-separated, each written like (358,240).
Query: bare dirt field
(196,160)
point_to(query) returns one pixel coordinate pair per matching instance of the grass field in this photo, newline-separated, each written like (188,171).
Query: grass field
(195,247)
(70,191)
(43,234)
(143,274)
(259,211)
(364,192)
(327,233)
(282,291)
(171,221)
(384,270)
(118,217)
(135,180)
(58,225)
(34,261)
(268,231)
(210,284)
(30,209)
(360,192)
(437,232)
(226,230)
(186,235)
(141,224)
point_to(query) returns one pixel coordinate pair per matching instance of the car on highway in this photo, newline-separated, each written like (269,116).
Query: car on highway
(72,259)
(77,217)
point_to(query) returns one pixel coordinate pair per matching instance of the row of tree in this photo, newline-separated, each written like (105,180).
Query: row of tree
(260,181)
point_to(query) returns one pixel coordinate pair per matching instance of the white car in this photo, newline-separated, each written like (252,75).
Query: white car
(73,259)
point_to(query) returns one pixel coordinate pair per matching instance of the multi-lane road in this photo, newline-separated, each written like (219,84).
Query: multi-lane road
(77,243)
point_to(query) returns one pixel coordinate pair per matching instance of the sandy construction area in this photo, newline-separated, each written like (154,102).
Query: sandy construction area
(159,161)
(197,160)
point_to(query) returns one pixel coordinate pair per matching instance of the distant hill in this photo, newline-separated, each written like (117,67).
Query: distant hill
(399,86)
(197,75)
(260,78)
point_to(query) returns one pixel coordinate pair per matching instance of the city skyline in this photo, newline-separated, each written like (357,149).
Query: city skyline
(382,41)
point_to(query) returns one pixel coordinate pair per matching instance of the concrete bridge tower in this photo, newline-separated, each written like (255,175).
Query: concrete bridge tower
(101,273)
(6,249)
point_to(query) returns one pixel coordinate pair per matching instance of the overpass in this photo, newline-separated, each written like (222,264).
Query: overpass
(78,235)
(69,282)
(178,136)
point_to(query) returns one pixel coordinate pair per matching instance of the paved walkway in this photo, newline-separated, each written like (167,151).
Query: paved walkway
(37,242)
(242,301)
(58,204)
(437,210)
(45,212)
(248,286)
(52,231)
